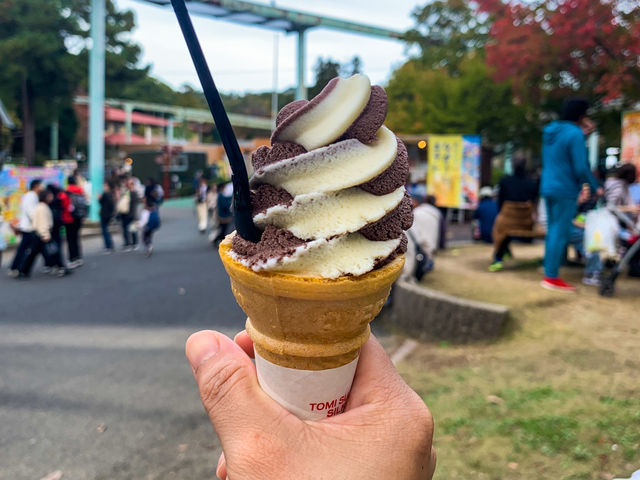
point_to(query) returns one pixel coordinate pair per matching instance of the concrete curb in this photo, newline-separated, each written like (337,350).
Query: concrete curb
(431,315)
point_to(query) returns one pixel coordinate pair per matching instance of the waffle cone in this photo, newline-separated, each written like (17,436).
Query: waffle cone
(308,323)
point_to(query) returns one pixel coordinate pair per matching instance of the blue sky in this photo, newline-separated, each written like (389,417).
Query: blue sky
(241,57)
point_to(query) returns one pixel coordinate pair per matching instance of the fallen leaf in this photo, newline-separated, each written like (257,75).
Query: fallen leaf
(495,400)
(512,465)
(183,447)
(57,475)
(101,428)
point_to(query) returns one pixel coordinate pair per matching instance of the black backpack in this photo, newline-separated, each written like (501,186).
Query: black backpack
(79,206)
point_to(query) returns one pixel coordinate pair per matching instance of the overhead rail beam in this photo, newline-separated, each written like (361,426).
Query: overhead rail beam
(259,15)
(282,19)
(183,113)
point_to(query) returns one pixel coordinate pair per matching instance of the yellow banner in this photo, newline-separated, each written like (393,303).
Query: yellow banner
(444,169)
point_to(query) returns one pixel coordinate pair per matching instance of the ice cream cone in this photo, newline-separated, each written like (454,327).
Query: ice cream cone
(308,323)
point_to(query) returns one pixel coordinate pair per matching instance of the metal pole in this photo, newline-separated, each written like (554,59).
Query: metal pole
(170,132)
(301,89)
(96,104)
(508,159)
(128,110)
(53,141)
(274,94)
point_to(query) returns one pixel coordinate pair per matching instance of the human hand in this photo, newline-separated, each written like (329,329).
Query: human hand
(385,432)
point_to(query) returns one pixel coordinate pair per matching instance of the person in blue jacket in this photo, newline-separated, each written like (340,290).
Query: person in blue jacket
(565,169)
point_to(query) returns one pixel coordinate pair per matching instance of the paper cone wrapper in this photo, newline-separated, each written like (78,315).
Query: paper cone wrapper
(307,331)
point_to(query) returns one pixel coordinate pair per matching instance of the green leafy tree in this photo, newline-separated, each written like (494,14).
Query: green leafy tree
(446,31)
(189,97)
(353,67)
(324,71)
(447,86)
(124,76)
(424,100)
(38,74)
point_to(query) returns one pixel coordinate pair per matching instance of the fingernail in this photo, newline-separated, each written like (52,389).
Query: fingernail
(218,469)
(200,347)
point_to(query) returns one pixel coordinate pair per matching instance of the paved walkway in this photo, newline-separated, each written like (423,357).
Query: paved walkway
(93,379)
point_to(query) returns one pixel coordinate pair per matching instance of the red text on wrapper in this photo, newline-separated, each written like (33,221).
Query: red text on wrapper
(333,407)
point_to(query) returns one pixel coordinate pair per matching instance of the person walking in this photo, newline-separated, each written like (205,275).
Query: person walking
(127,210)
(201,204)
(107,211)
(212,216)
(149,222)
(77,210)
(43,243)
(57,208)
(565,168)
(223,208)
(28,204)
(153,192)
(423,235)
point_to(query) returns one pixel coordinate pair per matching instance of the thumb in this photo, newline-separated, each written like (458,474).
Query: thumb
(228,386)
(376,379)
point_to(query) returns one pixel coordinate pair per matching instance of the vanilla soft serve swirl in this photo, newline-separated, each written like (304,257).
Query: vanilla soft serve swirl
(329,194)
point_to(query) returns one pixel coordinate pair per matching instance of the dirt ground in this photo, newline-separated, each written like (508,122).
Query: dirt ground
(557,396)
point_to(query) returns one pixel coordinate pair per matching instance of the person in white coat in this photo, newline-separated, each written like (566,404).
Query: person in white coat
(425,231)
(42,222)
(28,204)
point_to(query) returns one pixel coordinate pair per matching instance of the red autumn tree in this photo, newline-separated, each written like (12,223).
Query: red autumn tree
(551,49)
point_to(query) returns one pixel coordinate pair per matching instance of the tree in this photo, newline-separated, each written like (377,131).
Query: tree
(38,74)
(353,67)
(424,100)
(44,51)
(446,31)
(446,87)
(551,49)
(324,71)
(124,77)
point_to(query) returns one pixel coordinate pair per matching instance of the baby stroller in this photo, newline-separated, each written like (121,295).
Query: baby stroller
(629,254)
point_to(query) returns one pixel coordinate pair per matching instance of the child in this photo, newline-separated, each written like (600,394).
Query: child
(149,222)
(42,225)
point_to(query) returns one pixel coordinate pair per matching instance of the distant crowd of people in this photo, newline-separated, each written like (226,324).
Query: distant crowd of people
(51,216)
(135,206)
(213,207)
(556,204)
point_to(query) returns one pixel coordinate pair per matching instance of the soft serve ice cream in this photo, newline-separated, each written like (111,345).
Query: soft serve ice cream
(329,194)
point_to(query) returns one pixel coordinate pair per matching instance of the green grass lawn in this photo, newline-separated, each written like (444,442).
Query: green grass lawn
(557,397)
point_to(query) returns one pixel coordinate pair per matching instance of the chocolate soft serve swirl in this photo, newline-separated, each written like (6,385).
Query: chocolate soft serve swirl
(329,194)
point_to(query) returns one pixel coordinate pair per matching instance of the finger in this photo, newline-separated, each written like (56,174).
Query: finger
(245,343)
(375,374)
(221,469)
(229,388)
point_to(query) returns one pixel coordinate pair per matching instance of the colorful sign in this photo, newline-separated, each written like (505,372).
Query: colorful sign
(631,138)
(14,182)
(453,170)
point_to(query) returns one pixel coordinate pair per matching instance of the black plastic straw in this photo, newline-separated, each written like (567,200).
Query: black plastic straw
(241,195)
